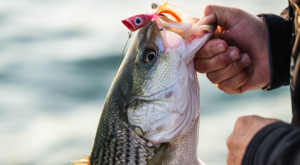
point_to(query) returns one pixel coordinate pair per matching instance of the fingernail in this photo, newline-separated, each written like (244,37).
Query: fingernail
(220,48)
(250,69)
(234,55)
(245,59)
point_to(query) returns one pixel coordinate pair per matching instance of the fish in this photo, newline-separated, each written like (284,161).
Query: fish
(152,110)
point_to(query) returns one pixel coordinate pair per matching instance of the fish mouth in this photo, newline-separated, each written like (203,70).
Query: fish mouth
(213,28)
(148,27)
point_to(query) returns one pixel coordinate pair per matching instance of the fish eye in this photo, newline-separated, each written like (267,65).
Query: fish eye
(150,56)
(138,20)
(147,57)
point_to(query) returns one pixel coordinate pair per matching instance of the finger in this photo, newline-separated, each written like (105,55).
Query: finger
(215,14)
(220,61)
(234,153)
(233,85)
(230,141)
(223,33)
(230,71)
(223,16)
(212,48)
(232,159)
(229,158)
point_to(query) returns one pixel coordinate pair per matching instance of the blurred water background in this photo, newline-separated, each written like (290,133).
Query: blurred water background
(58,59)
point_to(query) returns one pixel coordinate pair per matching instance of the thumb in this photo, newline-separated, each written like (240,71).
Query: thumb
(221,15)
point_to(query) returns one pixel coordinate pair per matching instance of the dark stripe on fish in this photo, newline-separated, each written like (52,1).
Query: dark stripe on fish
(137,155)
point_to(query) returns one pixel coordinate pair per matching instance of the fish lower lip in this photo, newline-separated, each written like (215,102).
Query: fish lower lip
(151,23)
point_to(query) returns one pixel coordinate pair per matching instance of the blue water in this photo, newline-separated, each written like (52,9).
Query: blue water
(57,61)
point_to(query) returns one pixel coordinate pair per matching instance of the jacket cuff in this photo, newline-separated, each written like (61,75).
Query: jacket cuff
(279,38)
(263,140)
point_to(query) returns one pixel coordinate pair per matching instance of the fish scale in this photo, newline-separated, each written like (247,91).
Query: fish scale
(117,140)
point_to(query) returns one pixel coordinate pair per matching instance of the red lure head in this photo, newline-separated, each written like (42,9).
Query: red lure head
(135,22)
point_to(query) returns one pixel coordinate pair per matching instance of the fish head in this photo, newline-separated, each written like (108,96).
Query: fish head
(164,99)
(154,97)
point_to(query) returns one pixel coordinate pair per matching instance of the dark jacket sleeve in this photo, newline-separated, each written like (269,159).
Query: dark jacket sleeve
(279,40)
(275,144)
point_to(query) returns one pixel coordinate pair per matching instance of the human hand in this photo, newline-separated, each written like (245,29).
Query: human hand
(244,33)
(244,130)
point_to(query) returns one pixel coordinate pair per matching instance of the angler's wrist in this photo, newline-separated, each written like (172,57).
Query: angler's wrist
(278,49)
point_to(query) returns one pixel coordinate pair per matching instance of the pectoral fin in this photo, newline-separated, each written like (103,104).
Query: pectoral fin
(164,156)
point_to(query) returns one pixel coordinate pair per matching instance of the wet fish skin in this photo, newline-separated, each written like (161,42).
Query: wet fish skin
(115,141)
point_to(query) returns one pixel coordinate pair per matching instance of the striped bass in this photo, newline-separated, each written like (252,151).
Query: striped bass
(151,113)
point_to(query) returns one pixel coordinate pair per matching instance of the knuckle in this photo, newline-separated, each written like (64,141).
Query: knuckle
(207,8)
(199,66)
(241,92)
(250,117)
(244,75)
(206,51)
(229,141)
(220,63)
(235,66)
(219,85)
(223,86)
(209,49)
(202,52)
(210,76)
(238,91)
(242,120)
(200,69)
(238,66)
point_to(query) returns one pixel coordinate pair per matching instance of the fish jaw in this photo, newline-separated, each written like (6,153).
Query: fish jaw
(187,37)
(167,93)
(200,34)
(167,114)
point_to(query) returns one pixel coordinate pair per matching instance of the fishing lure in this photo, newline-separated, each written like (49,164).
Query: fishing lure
(136,22)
